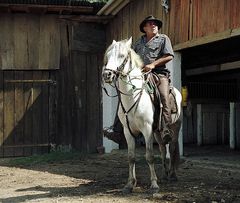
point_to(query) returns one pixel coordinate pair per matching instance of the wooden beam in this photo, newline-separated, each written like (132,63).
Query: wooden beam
(88,18)
(208,39)
(202,70)
(230,65)
(213,68)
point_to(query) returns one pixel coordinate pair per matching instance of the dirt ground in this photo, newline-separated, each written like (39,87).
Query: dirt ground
(206,174)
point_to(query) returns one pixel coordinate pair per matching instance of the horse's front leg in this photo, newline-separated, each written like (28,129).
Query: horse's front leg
(132,181)
(150,159)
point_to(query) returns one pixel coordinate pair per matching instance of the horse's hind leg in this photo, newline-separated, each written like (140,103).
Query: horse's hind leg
(132,181)
(163,153)
(174,159)
(174,152)
(150,160)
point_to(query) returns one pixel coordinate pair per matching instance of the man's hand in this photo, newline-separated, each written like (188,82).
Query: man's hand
(148,67)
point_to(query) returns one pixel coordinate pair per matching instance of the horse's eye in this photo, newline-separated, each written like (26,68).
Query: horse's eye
(121,56)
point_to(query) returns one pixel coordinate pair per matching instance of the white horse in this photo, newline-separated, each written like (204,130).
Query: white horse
(122,67)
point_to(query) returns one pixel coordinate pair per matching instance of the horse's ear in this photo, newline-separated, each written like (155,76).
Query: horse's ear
(129,42)
(113,42)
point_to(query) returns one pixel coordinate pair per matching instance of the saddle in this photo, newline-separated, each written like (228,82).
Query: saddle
(153,83)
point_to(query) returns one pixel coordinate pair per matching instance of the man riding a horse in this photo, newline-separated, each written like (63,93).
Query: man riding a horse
(156,50)
(126,71)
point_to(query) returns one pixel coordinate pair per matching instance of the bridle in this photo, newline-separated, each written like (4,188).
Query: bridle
(119,71)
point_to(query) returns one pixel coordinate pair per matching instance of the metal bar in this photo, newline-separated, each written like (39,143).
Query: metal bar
(30,81)
(25,145)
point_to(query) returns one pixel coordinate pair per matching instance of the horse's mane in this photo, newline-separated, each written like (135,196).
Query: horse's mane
(136,59)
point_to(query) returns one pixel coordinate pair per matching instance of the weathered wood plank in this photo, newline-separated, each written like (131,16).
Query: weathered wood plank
(33,41)
(47,99)
(53,119)
(19,114)
(80,66)
(99,136)
(28,120)
(126,24)
(20,28)
(1,114)
(172,19)
(62,92)
(6,42)
(49,43)
(165,19)
(235,15)
(184,22)
(93,103)
(37,108)
(9,124)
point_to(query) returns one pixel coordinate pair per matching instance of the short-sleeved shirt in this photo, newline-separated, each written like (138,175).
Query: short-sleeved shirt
(154,49)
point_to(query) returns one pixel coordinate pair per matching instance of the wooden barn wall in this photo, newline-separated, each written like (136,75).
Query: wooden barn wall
(50,84)
(193,19)
(126,23)
(187,20)
(29,42)
(79,86)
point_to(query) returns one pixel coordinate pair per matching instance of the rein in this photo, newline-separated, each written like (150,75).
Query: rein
(126,112)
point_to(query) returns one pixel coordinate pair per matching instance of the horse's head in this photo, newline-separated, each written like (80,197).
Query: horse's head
(115,59)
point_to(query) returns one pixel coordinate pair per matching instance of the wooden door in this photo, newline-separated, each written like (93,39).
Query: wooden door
(26,108)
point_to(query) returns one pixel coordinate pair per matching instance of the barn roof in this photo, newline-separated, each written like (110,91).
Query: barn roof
(52,6)
(112,7)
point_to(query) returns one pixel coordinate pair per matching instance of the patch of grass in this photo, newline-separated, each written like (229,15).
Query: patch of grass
(45,158)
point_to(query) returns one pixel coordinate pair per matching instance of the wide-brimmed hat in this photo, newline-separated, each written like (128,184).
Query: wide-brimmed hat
(150,18)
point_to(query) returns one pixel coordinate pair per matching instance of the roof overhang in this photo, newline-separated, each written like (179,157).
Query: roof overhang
(77,13)
(112,7)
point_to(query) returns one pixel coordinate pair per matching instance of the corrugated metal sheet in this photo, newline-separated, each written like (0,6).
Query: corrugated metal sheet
(62,7)
(99,3)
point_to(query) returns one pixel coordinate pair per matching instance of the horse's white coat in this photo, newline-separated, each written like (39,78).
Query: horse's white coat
(131,84)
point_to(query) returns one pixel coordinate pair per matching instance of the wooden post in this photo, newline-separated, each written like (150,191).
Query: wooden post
(199,125)
(175,69)
(232,121)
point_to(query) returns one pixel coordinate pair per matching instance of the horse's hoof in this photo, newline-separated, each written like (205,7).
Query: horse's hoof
(166,139)
(127,190)
(164,179)
(154,189)
(167,135)
(173,178)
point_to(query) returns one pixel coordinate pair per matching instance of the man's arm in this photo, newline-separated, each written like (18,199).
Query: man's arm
(159,62)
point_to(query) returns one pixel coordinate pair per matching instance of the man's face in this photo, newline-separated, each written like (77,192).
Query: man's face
(151,27)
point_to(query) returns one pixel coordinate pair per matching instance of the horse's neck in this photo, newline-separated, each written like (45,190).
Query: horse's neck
(131,84)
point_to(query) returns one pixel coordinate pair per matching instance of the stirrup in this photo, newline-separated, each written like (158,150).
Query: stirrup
(167,135)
